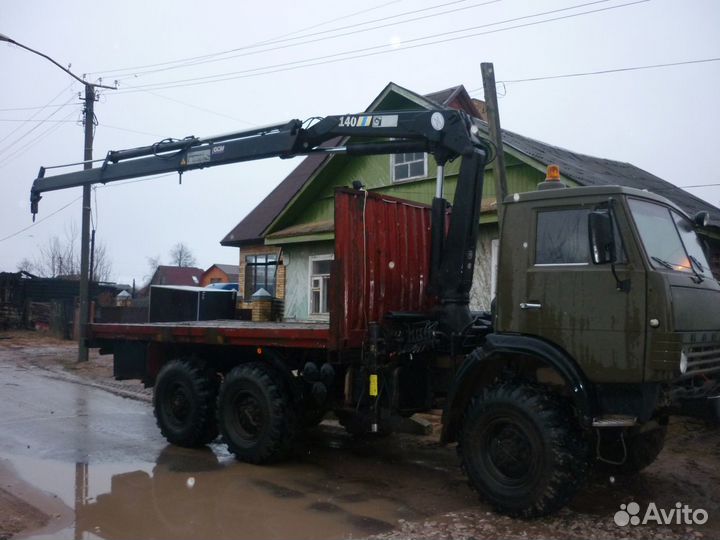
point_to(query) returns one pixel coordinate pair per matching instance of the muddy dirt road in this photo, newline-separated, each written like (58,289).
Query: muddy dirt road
(80,461)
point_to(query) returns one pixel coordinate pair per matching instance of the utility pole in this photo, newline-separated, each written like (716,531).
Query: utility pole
(89,118)
(493,120)
(92,255)
(84,316)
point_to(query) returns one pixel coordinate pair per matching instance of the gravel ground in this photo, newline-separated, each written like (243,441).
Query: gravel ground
(687,471)
(17,515)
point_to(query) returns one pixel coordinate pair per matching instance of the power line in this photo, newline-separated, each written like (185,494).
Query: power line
(28,132)
(24,148)
(193,106)
(330,21)
(131,130)
(698,186)
(353,30)
(604,71)
(48,106)
(117,184)
(256,44)
(38,112)
(384,46)
(334,58)
(32,120)
(39,221)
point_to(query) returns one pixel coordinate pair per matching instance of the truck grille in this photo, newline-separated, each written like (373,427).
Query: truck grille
(702,359)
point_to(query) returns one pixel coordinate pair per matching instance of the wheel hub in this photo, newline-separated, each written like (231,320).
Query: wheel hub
(179,403)
(249,415)
(509,451)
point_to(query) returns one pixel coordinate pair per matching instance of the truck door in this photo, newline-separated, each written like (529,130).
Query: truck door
(576,304)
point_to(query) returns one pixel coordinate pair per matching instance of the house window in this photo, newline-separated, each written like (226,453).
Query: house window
(260,271)
(408,166)
(319,284)
(562,237)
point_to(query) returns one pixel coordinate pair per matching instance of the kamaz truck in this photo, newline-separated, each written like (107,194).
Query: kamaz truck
(605,323)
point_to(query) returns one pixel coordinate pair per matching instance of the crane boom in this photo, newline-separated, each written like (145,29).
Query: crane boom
(410,131)
(445,133)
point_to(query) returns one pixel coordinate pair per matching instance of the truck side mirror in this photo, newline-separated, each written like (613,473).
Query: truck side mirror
(602,238)
(701,219)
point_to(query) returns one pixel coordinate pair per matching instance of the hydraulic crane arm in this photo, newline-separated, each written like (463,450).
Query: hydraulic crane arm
(446,134)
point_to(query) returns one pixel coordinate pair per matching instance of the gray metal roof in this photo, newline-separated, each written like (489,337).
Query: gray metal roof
(593,171)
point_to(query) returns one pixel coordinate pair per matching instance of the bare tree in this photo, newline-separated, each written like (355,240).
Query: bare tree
(180,255)
(60,257)
(102,266)
(26,265)
(153,263)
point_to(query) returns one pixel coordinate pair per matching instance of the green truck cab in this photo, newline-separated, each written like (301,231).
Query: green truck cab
(635,307)
(606,322)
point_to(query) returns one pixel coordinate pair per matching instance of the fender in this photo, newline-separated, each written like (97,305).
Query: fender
(462,389)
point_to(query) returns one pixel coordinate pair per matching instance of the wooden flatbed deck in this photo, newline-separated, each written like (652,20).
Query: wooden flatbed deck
(304,335)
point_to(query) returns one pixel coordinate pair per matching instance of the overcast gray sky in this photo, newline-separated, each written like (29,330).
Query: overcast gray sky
(329,57)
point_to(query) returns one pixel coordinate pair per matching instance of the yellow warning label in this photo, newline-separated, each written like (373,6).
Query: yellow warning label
(373,385)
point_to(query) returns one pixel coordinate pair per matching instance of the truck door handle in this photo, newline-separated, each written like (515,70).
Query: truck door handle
(530,305)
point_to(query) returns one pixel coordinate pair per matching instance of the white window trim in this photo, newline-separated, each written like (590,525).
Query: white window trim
(311,260)
(410,178)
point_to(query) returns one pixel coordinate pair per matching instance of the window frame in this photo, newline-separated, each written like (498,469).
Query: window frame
(311,275)
(536,230)
(409,178)
(251,272)
(672,214)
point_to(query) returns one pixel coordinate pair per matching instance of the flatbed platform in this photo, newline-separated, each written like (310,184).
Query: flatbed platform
(306,335)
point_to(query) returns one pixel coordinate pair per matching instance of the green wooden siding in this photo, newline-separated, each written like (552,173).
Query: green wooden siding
(316,203)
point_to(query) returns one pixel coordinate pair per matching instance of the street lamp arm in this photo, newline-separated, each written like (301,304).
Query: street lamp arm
(9,40)
(85,229)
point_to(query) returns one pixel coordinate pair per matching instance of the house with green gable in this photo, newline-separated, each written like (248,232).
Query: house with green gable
(287,242)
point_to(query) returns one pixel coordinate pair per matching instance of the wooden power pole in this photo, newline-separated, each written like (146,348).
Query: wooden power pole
(84,315)
(493,120)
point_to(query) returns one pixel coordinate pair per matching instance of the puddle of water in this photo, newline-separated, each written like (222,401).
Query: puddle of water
(206,494)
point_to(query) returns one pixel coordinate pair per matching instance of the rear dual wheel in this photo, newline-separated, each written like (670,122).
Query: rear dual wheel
(255,414)
(184,403)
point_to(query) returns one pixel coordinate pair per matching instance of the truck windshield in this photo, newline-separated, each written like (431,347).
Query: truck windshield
(669,238)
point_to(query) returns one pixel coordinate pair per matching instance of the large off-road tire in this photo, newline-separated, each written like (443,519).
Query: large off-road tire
(522,449)
(255,414)
(642,448)
(184,403)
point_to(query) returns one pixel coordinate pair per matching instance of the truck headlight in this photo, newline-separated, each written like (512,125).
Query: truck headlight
(683,362)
